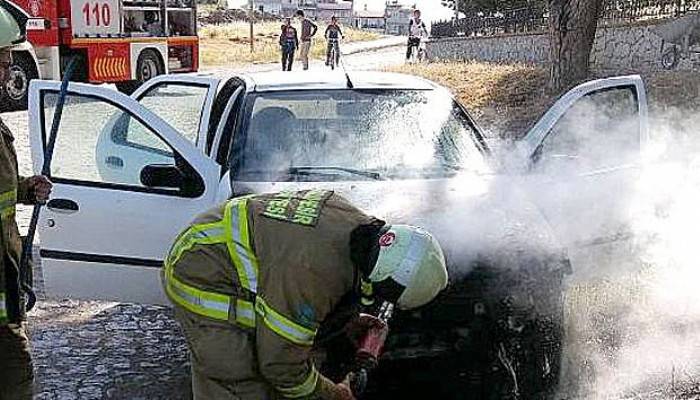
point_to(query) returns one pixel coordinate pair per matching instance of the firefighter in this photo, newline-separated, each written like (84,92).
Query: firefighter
(16,375)
(254,279)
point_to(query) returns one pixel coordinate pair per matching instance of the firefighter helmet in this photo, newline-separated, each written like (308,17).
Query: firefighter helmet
(412,258)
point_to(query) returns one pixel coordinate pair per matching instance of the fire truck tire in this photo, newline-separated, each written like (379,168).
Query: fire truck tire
(14,95)
(149,65)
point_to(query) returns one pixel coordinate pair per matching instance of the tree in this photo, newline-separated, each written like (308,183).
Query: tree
(572,27)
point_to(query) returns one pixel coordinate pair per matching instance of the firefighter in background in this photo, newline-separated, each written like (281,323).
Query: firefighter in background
(254,279)
(16,375)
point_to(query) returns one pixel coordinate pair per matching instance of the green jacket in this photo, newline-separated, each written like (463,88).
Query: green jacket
(13,188)
(276,265)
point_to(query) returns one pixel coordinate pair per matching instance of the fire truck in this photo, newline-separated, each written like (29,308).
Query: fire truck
(125,42)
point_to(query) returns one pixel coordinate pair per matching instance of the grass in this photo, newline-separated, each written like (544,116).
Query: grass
(490,91)
(230,44)
(507,99)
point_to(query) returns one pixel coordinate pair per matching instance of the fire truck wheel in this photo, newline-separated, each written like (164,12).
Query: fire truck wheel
(14,94)
(149,65)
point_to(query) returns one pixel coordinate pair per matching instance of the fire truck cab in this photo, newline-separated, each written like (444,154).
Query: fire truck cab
(125,42)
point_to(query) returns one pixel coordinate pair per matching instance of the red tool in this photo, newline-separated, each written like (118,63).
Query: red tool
(370,349)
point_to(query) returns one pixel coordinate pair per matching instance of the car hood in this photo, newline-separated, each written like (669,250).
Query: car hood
(476,218)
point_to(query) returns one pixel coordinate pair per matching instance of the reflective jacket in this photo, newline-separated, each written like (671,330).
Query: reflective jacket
(12,189)
(276,265)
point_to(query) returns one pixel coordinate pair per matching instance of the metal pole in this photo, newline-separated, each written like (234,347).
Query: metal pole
(46,171)
(250,18)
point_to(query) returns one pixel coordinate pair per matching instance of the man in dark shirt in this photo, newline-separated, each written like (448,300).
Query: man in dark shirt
(289,40)
(308,30)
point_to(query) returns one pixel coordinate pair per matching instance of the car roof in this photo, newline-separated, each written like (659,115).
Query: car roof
(307,80)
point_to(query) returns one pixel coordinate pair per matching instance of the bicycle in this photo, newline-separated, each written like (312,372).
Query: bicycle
(418,53)
(333,54)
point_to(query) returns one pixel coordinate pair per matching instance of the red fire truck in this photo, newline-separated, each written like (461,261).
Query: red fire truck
(122,41)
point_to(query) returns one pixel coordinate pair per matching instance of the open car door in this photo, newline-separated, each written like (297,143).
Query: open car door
(126,182)
(583,158)
(185,101)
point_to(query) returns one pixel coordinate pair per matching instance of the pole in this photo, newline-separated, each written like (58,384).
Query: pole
(25,268)
(250,18)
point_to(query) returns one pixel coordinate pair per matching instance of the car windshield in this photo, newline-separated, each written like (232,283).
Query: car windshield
(322,135)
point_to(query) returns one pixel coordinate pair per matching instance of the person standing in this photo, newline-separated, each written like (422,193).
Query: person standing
(308,31)
(333,35)
(289,41)
(257,280)
(416,31)
(16,370)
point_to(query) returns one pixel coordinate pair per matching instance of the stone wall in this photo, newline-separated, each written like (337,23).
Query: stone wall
(622,48)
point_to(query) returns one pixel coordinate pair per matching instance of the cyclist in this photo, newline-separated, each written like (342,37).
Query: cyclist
(333,33)
(416,31)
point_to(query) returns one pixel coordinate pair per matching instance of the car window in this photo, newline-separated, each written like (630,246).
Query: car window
(599,130)
(395,134)
(180,105)
(101,143)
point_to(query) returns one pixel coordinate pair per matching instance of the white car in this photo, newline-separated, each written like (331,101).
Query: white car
(131,172)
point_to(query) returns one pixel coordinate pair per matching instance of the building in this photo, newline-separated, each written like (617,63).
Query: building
(325,9)
(370,20)
(273,7)
(313,9)
(397,18)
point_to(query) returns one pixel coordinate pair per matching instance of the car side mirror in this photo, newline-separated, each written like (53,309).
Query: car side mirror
(169,176)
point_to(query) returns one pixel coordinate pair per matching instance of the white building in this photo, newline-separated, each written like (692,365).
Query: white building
(370,20)
(397,17)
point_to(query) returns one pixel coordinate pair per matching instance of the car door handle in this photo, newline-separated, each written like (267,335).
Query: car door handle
(63,206)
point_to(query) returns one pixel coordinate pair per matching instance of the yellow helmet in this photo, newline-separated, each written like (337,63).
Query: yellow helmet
(414,259)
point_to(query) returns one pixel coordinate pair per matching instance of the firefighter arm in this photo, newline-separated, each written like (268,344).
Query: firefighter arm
(290,311)
(289,368)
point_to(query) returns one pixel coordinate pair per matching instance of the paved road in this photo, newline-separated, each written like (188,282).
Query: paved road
(102,350)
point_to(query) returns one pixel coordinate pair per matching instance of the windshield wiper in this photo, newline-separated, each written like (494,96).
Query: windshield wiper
(302,170)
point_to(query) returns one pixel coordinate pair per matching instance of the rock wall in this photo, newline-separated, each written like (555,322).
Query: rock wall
(622,48)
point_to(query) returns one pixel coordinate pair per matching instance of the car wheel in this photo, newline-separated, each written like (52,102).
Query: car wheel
(669,59)
(148,66)
(15,92)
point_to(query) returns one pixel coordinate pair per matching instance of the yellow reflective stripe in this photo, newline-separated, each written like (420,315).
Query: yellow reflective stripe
(211,233)
(245,313)
(304,389)
(9,196)
(3,307)
(238,242)
(7,212)
(284,326)
(209,304)
(8,200)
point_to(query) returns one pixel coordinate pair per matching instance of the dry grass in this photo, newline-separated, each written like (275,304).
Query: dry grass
(230,45)
(507,99)
(491,91)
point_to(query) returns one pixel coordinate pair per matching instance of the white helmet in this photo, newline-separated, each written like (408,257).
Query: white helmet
(413,258)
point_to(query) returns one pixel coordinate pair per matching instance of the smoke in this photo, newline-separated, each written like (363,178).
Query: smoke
(624,210)
(633,304)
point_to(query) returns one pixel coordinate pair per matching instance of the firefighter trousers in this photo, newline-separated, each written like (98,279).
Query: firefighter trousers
(16,370)
(224,364)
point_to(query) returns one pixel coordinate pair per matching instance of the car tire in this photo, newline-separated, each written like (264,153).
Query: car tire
(148,66)
(669,59)
(15,93)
